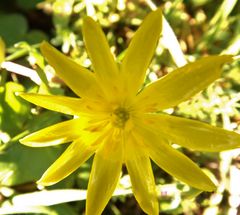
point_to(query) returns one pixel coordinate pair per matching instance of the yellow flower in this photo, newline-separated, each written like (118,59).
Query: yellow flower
(117,120)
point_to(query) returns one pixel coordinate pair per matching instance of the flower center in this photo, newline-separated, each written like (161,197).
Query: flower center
(119,117)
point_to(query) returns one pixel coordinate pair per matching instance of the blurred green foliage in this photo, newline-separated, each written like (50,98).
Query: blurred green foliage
(201,27)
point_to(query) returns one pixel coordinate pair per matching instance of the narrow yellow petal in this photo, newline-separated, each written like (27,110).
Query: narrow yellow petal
(63,104)
(142,179)
(174,162)
(102,59)
(193,134)
(104,175)
(78,78)
(75,155)
(141,50)
(2,51)
(56,134)
(181,84)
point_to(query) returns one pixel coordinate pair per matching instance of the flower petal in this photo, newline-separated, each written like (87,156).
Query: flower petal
(193,134)
(56,134)
(142,179)
(78,78)
(76,154)
(181,84)
(174,162)
(104,175)
(102,59)
(63,104)
(141,50)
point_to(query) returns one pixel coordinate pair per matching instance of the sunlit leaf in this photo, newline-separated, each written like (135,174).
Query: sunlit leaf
(14,110)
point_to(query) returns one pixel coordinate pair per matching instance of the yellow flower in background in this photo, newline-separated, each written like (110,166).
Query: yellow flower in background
(120,123)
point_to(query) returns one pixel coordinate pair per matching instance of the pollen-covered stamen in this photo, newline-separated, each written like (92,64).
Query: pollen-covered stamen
(119,117)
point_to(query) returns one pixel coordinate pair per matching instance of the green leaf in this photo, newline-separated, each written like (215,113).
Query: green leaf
(12,209)
(35,36)
(18,163)
(13,110)
(25,209)
(13,28)
(26,4)
(21,164)
(191,193)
